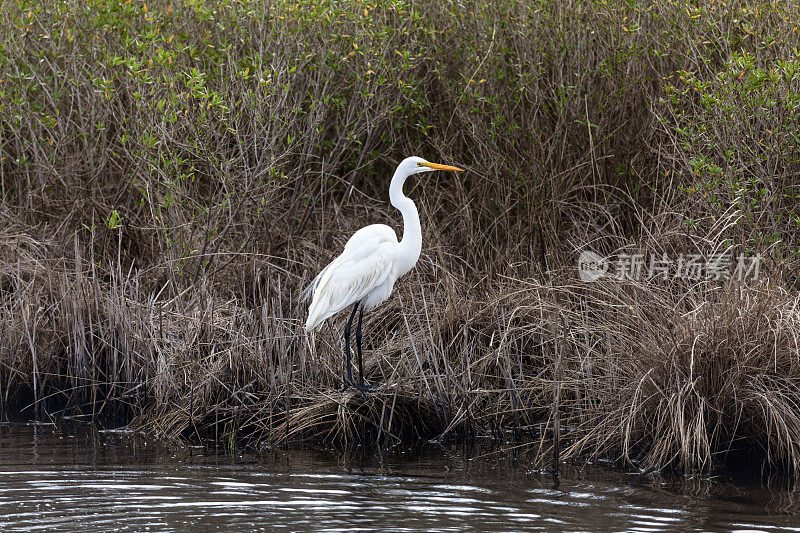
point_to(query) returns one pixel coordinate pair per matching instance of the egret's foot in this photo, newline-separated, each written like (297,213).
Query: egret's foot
(363,387)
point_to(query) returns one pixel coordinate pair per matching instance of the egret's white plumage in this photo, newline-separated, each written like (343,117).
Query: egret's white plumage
(373,258)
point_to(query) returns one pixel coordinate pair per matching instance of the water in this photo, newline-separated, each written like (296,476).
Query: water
(74,478)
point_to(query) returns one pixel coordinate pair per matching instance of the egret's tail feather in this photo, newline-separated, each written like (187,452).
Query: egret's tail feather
(315,317)
(308,292)
(311,325)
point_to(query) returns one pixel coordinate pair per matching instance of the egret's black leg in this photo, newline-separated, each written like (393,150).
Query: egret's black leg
(358,347)
(348,373)
(360,385)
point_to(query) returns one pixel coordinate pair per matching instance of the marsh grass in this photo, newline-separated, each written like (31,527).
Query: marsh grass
(173,174)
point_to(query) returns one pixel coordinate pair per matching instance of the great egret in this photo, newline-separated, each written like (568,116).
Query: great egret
(372,260)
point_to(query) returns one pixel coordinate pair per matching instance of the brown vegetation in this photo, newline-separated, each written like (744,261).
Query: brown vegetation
(173,174)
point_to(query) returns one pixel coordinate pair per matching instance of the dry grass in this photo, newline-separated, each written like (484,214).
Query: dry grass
(172,176)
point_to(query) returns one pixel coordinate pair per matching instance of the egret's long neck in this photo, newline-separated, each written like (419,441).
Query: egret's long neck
(411,243)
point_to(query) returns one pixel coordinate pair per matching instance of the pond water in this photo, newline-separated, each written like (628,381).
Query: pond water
(72,477)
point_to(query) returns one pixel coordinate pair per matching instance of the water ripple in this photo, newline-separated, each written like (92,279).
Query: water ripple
(82,484)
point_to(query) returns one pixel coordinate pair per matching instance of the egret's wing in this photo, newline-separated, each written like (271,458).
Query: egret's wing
(347,280)
(361,244)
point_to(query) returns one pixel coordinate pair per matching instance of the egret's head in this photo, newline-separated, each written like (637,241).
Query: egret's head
(415,165)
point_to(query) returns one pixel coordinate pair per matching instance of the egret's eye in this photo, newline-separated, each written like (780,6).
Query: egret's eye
(420,164)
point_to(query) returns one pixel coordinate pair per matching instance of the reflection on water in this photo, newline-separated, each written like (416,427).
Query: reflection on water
(72,477)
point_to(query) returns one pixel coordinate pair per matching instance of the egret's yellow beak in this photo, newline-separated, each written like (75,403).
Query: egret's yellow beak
(436,166)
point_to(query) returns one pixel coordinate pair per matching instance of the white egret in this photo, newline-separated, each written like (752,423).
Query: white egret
(372,260)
